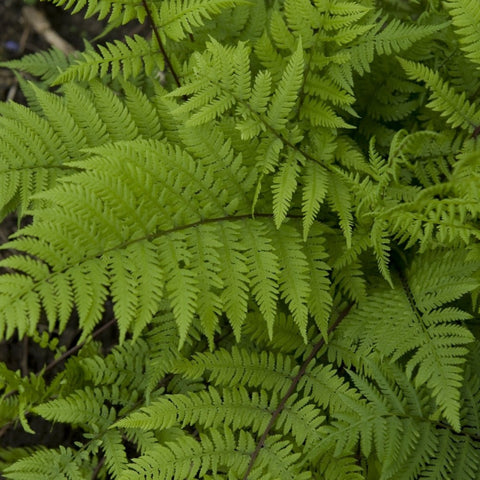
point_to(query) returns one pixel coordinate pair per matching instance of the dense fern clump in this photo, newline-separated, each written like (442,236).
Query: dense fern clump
(275,203)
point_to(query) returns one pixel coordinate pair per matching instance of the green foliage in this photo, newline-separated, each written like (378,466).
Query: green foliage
(273,209)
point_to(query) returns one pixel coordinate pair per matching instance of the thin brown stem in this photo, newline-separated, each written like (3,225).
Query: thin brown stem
(98,468)
(75,349)
(476,132)
(292,388)
(160,43)
(5,428)
(24,361)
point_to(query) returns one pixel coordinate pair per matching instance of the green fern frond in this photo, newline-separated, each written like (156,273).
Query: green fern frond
(289,247)
(286,94)
(143,111)
(80,407)
(27,170)
(116,459)
(126,59)
(269,57)
(320,298)
(387,37)
(47,464)
(178,18)
(135,290)
(257,369)
(339,197)
(219,451)
(465,18)
(234,275)
(381,247)
(119,11)
(264,271)
(444,99)
(133,261)
(325,89)
(284,186)
(320,114)
(233,407)
(426,218)
(428,331)
(38,146)
(280,33)
(315,183)
(261,92)
(449,276)
(58,116)
(77,5)
(46,65)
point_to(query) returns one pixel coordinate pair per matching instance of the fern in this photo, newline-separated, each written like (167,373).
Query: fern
(279,239)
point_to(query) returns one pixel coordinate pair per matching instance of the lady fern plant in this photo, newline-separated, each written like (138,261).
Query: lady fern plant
(286,228)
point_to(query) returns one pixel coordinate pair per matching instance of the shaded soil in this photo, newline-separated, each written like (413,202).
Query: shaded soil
(18,38)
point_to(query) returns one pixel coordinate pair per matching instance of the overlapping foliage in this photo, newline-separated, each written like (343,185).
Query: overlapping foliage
(286,229)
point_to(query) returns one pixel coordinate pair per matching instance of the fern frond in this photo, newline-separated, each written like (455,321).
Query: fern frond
(293,278)
(232,229)
(206,263)
(122,367)
(27,170)
(261,91)
(220,452)
(61,120)
(137,283)
(280,33)
(234,274)
(126,59)
(444,99)
(326,90)
(178,18)
(315,188)
(320,114)
(115,453)
(144,113)
(233,407)
(284,186)
(264,270)
(465,18)
(339,197)
(320,299)
(80,407)
(120,11)
(425,218)
(387,37)
(381,247)
(430,332)
(241,367)
(47,464)
(286,94)
(182,286)
(175,246)
(38,146)
(46,65)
